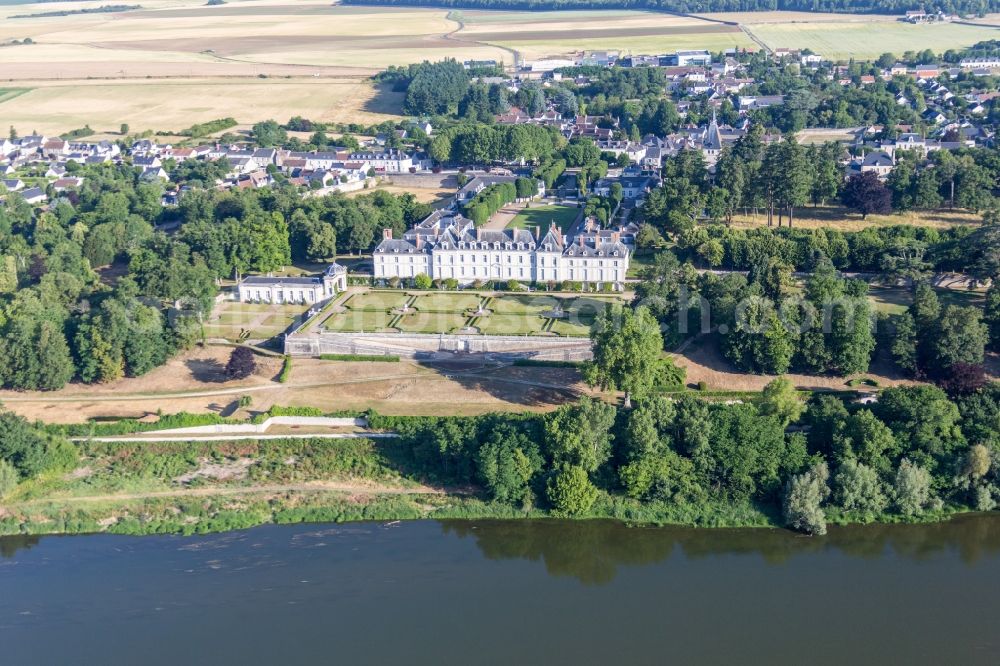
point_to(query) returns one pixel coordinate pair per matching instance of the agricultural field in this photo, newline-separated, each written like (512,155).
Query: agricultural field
(449,312)
(543,216)
(173,104)
(234,321)
(867,40)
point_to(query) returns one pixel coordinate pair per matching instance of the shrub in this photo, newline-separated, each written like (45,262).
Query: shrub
(804,496)
(703,385)
(245,400)
(8,477)
(571,492)
(423,281)
(241,363)
(286,370)
(912,488)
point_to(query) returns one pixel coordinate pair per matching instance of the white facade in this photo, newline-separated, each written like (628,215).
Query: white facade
(262,289)
(448,247)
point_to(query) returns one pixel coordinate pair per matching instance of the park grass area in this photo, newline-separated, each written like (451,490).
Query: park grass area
(510,324)
(895,300)
(258,321)
(431,322)
(543,216)
(377,300)
(358,320)
(449,312)
(446,302)
(838,217)
(868,40)
(524,304)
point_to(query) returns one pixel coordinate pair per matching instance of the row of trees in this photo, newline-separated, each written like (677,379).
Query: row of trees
(913,452)
(485,144)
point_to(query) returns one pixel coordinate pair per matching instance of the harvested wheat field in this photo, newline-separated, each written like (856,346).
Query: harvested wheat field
(173,104)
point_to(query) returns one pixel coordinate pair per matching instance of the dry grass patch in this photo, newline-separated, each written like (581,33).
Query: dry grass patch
(837,217)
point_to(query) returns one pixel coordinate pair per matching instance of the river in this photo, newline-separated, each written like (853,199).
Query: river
(488,592)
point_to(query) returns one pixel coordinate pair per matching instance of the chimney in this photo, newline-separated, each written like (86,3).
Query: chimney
(538,233)
(386,234)
(615,236)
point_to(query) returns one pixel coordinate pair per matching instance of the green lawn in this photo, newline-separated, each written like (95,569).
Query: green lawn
(895,300)
(510,324)
(377,300)
(543,216)
(446,312)
(262,320)
(431,322)
(447,302)
(522,304)
(358,320)
(571,327)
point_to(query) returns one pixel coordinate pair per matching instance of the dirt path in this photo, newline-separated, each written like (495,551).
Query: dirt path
(356,487)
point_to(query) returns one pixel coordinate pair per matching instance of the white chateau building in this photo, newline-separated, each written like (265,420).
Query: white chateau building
(448,245)
(264,289)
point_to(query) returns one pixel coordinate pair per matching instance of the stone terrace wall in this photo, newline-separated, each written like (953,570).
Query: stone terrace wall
(416,345)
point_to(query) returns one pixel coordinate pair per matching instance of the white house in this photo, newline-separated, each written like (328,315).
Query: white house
(264,289)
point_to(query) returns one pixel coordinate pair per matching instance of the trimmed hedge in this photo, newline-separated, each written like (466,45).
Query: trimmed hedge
(286,370)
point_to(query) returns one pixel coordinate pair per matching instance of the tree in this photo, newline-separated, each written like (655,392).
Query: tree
(911,488)
(570,491)
(123,130)
(866,194)
(580,434)
(268,134)
(779,399)
(422,281)
(627,346)
(804,496)
(242,363)
(857,488)
(961,338)
(923,417)
(31,451)
(506,463)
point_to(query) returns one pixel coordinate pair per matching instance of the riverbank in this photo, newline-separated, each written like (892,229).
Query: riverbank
(140,488)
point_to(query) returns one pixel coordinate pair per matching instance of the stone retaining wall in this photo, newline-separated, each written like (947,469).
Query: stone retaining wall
(414,345)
